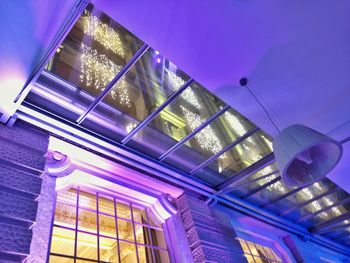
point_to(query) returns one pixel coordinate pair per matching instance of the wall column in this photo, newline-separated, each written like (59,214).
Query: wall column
(209,231)
(22,162)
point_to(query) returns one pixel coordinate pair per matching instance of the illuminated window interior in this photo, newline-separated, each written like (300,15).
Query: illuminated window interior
(256,253)
(96,228)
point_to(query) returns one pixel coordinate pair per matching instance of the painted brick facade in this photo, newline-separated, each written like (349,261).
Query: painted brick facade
(22,162)
(210,234)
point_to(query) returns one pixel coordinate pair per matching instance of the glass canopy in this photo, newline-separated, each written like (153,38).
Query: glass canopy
(107,82)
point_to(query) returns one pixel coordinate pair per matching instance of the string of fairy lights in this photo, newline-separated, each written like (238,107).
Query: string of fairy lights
(97,70)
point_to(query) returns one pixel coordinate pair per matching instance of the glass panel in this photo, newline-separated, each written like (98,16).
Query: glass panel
(139,215)
(123,211)
(107,226)
(211,140)
(106,205)
(161,256)
(65,215)
(94,51)
(55,259)
(67,197)
(249,184)
(141,233)
(108,250)
(127,252)
(145,254)
(249,258)
(177,120)
(62,241)
(125,230)
(142,90)
(252,248)
(158,238)
(244,246)
(87,221)
(87,246)
(87,200)
(239,157)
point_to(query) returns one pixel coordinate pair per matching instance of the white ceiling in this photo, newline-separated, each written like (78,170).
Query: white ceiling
(296,54)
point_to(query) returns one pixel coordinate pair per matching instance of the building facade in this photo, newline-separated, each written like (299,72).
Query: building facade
(117,155)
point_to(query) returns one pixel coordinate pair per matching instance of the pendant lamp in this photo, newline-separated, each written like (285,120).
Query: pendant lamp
(304,155)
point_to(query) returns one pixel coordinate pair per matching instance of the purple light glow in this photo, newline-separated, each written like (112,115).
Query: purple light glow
(159,60)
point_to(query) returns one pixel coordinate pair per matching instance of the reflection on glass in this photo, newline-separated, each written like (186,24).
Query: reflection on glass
(123,211)
(65,215)
(87,200)
(55,259)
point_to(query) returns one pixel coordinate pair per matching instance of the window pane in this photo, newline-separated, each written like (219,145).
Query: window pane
(106,205)
(56,259)
(87,246)
(123,211)
(176,121)
(65,215)
(139,215)
(107,226)
(158,238)
(87,200)
(108,250)
(62,241)
(127,253)
(141,233)
(125,230)
(145,254)
(87,221)
(67,197)
(161,256)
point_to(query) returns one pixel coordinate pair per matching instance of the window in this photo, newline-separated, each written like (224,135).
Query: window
(256,253)
(96,228)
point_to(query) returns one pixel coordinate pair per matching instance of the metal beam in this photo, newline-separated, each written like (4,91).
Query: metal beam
(261,187)
(330,191)
(225,149)
(331,229)
(111,84)
(155,113)
(313,215)
(268,203)
(194,132)
(330,223)
(232,188)
(254,168)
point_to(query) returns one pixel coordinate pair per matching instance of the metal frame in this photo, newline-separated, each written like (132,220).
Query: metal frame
(322,227)
(230,189)
(294,191)
(258,189)
(111,84)
(254,168)
(225,149)
(313,215)
(117,239)
(155,113)
(193,133)
(330,191)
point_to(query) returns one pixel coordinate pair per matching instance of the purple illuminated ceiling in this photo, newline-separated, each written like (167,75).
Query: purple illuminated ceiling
(296,55)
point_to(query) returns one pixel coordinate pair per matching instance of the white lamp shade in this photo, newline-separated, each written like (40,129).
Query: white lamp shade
(304,155)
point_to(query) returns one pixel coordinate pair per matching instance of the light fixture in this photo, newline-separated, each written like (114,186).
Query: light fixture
(304,155)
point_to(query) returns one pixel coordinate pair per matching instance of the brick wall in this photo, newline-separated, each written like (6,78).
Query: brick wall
(209,231)
(22,161)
